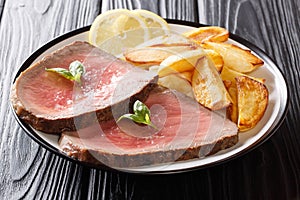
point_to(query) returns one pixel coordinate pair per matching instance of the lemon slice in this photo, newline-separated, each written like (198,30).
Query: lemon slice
(117,29)
(158,26)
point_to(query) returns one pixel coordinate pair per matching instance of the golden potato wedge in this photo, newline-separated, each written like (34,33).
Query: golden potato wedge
(187,75)
(173,81)
(182,62)
(155,54)
(216,58)
(227,83)
(208,86)
(232,109)
(154,68)
(146,56)
(236,58)
(179,81)
(209,33)
(252,100)
(177,47)
(229,74)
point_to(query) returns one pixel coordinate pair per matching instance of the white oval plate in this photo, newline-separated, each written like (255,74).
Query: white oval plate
(274,115)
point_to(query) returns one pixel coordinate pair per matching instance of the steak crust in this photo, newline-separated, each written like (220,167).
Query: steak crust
(96,158)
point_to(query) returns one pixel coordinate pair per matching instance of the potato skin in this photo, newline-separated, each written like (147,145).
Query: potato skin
(235,57)
(208,86)
(252,98)
(209,33)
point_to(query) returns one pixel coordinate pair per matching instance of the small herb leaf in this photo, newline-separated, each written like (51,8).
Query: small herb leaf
(76,69)
(63,72)
(141,114)
(127,116)
(147,118)
(140,109)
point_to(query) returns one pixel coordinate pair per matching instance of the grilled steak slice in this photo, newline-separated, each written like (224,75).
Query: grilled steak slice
(186,130)
(52,103)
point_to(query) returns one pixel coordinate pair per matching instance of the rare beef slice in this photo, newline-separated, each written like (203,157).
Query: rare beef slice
(185,130)
(52,104)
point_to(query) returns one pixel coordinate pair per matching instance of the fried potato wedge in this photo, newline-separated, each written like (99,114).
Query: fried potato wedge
(232,110)
(173,81)
(146,56)
(252,100)
(177,47)
(208,86)
(216,58)
(155,54)
(229,78)
(230,75)
(209,33)
(182,62)
(154,68)
(236,58)
(186,75)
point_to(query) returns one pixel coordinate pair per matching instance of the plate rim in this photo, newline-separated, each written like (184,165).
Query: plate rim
(270,132)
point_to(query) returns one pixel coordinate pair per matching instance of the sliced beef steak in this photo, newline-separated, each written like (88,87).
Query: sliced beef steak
(52,103)
(185,130)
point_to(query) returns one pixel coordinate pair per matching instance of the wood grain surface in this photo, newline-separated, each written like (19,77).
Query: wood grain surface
(271,171)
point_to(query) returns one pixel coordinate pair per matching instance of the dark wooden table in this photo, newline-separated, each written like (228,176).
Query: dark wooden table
(271,171)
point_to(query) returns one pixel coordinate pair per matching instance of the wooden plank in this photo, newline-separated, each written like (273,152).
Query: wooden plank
(27,170)
(277,35)
(2,2)
(269,172)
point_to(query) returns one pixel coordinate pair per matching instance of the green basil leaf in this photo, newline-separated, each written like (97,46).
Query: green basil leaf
(132,117)
(141,114)
(147,118)
(140,109)
(137,106)
(61,71)
(127,116)
(77,78)
(138,119)
(76,69)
